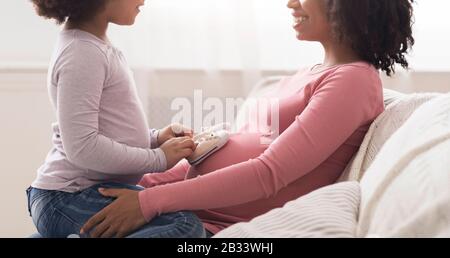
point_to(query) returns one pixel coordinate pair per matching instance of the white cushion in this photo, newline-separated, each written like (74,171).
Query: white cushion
(329,212)
(399,108)
(406,190)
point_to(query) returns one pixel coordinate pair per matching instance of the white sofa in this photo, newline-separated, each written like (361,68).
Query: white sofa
(397,185)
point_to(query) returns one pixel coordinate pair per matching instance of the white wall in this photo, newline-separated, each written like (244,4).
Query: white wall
(229,34)
(25,114)
(26,38)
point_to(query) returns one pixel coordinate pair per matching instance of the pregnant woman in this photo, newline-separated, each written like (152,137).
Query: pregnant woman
(324,112)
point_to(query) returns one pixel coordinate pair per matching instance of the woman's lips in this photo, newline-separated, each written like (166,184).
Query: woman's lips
(300,20)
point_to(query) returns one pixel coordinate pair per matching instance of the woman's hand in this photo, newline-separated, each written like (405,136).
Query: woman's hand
(173,131)
(177,149)
(118,219)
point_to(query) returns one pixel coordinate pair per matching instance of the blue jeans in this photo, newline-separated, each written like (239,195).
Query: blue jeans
(58,214)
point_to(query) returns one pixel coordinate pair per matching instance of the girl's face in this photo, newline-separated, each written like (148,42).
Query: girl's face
(123,12)
(310,20)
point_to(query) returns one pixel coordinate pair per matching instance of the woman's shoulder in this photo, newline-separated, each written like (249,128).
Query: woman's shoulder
(360,80)
(361,73)
(347,75)
(353,68)
(357,67)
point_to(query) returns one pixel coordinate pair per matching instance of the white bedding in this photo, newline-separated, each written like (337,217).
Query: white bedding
(406,191)
(399,108)
(330,212)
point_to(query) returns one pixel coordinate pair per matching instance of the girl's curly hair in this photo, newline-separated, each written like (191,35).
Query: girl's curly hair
(379,31)
(62,10)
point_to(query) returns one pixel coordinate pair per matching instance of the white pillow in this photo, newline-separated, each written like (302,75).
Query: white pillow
(399,107)
(406,191)
(329,212)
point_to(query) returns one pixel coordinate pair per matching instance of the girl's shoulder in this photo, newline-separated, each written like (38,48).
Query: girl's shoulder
(82,43)
(78,52)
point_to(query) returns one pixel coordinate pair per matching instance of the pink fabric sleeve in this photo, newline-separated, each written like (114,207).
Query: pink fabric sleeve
(343,102)
(175,174)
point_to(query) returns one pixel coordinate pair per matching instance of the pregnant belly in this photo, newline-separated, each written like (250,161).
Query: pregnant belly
(239,148)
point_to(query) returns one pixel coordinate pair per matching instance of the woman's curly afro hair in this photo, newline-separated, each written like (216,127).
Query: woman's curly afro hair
(62,10)
(379,31)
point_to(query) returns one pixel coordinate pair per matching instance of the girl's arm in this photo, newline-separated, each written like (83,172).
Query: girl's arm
(341,104)
(81,74)
(154,138)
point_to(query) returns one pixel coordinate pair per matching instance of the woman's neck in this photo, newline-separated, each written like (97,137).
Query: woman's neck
(96,26)
(336,54)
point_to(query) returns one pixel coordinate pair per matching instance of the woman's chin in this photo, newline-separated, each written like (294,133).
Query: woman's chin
(300,36)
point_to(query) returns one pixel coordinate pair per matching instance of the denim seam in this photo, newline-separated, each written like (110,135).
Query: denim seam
(66,217)
(183,224)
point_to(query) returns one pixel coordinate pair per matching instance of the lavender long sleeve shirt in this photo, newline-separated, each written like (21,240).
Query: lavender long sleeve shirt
(101,133)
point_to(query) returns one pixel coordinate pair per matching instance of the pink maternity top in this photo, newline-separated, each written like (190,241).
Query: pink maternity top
(323,118)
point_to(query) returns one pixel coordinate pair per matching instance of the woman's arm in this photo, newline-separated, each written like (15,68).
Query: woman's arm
(341,104)
(81,75)
(175,174)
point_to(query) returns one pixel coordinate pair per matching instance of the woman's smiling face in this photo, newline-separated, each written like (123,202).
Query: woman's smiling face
(310,20)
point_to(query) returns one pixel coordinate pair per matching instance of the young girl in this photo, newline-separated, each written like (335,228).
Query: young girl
(324,113)
(101,138)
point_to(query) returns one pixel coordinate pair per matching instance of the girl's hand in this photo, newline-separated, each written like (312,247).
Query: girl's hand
(118,219)
(177,149)
(173,131)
